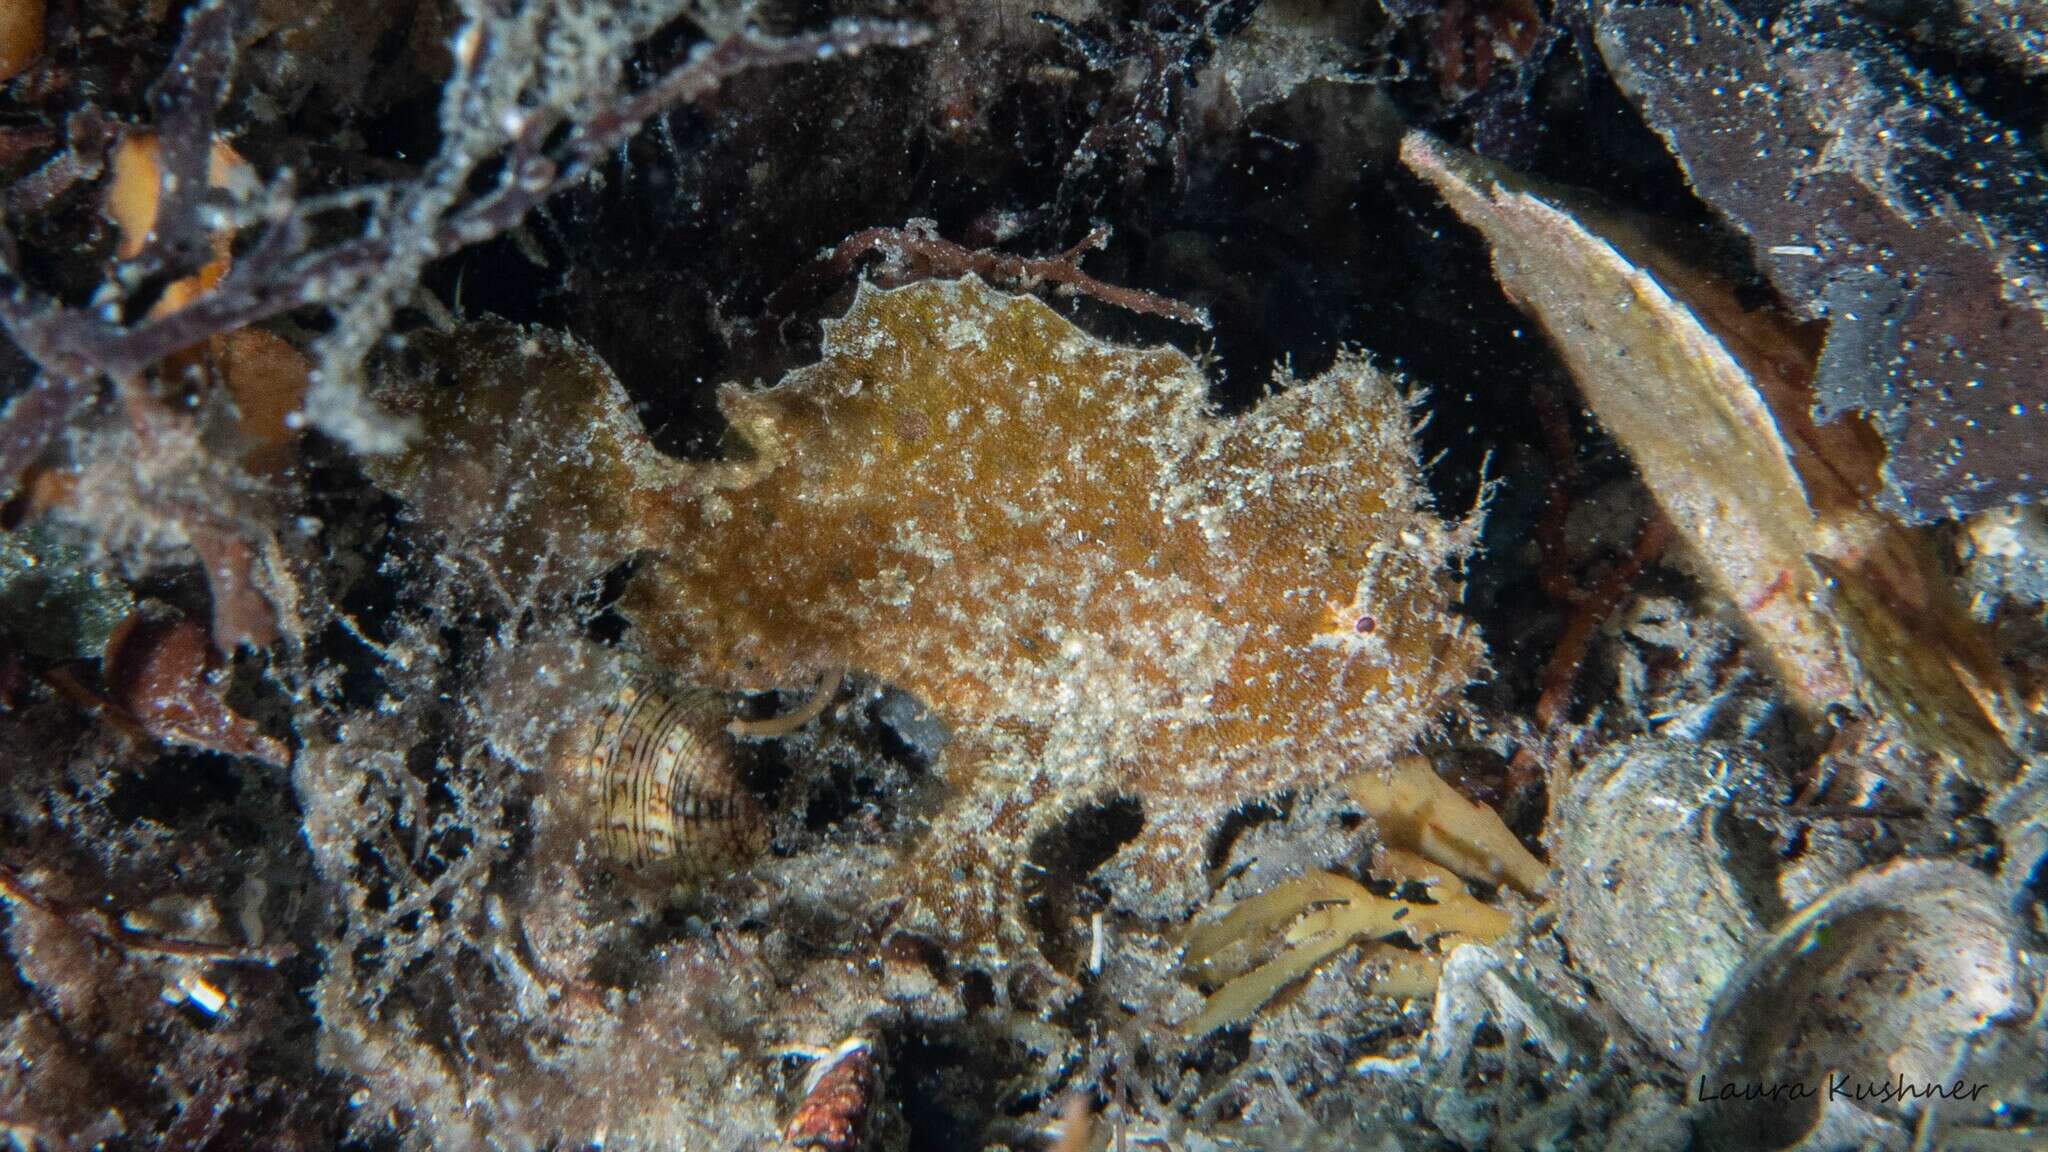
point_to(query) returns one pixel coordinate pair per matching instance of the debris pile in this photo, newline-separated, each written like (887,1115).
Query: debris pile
(899,577)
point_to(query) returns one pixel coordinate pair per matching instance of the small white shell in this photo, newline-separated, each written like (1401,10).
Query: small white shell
(1873,989)
(656,775)
(1662,894)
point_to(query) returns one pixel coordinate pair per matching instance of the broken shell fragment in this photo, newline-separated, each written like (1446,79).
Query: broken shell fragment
(658,780)
(1685,407)
(1663,887)
(839,1094)
(1875,988)
(1713,404)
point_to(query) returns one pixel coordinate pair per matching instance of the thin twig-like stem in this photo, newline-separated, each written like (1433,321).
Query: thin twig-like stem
(1562,673)
(184,99)
(279,273)
(915,254)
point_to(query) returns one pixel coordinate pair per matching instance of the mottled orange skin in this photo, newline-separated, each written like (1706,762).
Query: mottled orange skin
(1102,588)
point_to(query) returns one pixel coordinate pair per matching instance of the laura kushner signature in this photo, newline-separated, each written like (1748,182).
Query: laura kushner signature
(1839,1087)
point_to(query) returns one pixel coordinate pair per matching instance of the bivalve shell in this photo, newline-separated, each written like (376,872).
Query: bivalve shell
(1858,1011)
(1664,885)
(656,775)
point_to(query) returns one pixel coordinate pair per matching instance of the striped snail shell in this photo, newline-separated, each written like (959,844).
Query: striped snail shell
(656,774)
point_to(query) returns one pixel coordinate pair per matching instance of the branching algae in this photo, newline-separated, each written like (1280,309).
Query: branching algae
(1104,590)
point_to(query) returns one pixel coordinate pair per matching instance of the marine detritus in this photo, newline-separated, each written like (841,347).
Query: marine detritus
(598,574)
